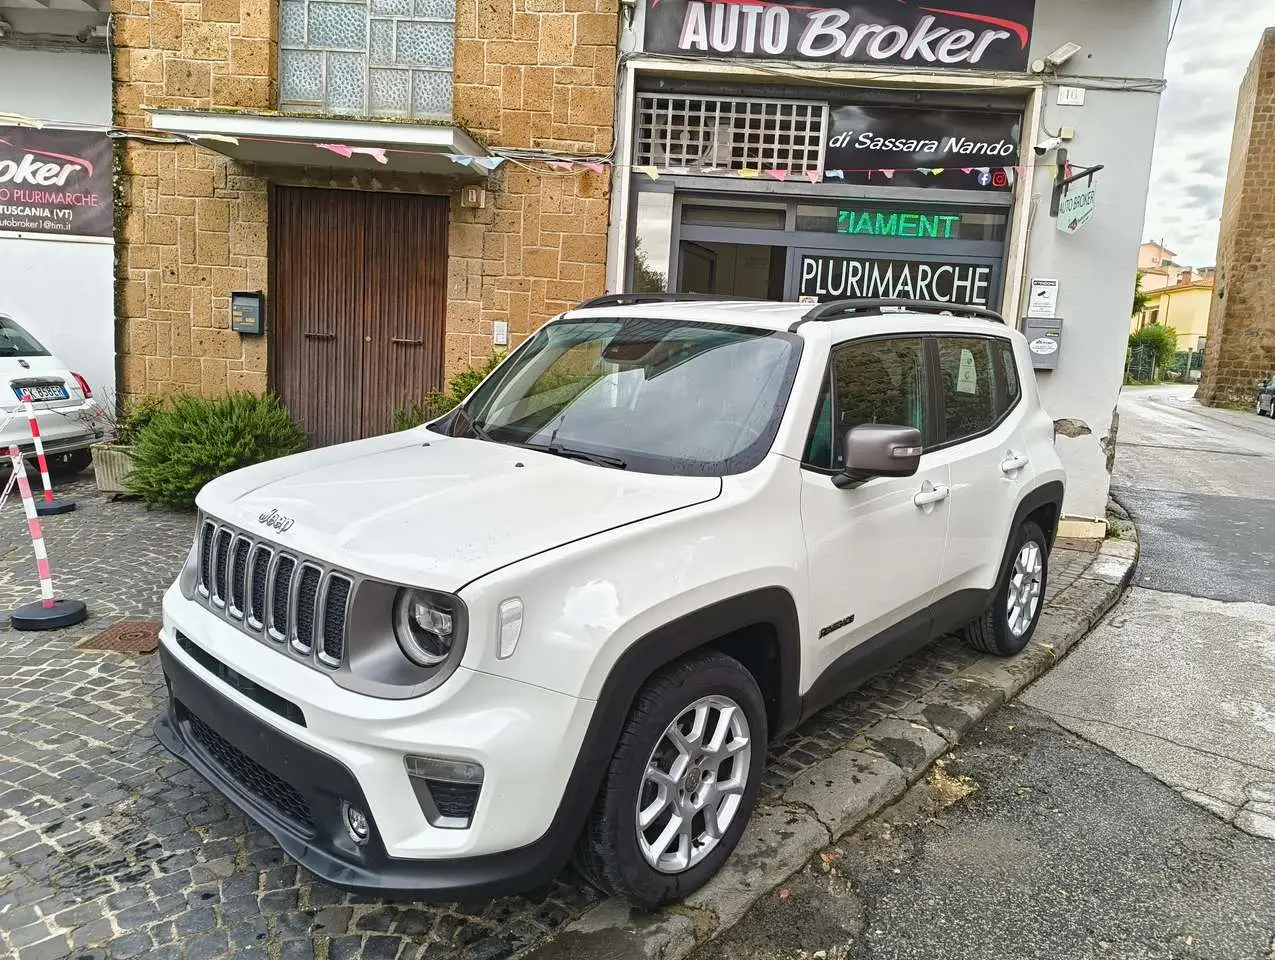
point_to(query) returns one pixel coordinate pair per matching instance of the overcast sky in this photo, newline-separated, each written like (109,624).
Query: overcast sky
(1211,50)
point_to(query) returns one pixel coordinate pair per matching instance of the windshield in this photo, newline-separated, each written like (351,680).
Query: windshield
(659,396)
(16,342)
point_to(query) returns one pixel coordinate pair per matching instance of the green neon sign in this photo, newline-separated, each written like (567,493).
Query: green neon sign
(896,223)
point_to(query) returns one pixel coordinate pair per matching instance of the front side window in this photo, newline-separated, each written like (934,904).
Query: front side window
(870,381)
(659,396)
(968,385)
(16,342)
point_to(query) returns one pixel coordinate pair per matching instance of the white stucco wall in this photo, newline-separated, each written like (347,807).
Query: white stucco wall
(61,290)
(1125,44)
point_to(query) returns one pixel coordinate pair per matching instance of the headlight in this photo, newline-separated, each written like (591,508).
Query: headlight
(425,625)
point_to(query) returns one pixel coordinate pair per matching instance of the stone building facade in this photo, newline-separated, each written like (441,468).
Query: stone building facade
(195,225)
(1240,352)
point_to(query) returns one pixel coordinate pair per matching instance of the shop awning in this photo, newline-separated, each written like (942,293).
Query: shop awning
(282,140)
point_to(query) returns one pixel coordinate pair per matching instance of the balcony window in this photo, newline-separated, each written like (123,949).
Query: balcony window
(378,58)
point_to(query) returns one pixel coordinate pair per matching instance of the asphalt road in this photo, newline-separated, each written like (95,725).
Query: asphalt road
(1124,807)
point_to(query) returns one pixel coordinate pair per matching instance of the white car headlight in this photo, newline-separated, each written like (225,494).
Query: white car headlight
(425,626)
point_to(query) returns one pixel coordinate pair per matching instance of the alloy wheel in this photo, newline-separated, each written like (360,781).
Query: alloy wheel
(693,785)
(1025,587)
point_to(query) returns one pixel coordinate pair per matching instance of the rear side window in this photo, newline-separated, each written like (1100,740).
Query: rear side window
(968,385)
(1009,375)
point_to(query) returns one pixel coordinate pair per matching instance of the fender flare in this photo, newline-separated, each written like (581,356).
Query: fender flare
(771,606)
(1046,495)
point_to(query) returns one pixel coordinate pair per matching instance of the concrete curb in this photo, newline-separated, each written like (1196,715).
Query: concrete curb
(832,798)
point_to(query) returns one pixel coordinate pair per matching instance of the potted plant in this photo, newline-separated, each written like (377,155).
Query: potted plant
(113,458)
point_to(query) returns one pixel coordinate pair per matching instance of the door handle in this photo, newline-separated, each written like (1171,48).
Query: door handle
(931,495)
(407,343)
(1013,463)
(311,335)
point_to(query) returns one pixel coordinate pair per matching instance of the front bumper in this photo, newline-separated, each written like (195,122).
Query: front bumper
(292,774)
(318,784)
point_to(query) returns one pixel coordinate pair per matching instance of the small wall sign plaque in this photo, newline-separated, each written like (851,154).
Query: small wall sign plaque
(247,312)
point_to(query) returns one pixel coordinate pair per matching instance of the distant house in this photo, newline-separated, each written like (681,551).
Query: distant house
(1179,297)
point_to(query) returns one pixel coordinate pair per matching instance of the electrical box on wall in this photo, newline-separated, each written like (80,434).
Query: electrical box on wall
(1044,339)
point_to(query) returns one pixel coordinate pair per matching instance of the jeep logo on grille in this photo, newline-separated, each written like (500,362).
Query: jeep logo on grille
(276,520)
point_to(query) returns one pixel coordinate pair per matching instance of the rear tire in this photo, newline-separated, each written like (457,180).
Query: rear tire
(695,702)
(69,464)
(1006,627)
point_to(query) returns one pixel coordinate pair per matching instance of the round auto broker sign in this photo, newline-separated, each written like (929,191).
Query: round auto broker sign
(55,182)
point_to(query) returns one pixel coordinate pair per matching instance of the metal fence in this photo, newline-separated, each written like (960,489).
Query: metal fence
(1140,365)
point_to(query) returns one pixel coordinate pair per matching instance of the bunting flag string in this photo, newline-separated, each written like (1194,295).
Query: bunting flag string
(985,176)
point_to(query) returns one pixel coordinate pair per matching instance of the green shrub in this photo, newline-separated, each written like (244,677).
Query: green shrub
(134,415)
(434,405)
(1163,340)
(194,440)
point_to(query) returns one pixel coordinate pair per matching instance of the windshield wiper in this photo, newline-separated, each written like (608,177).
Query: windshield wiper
(600,459)
(474,428)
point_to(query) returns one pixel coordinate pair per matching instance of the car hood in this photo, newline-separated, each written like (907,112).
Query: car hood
(433,511)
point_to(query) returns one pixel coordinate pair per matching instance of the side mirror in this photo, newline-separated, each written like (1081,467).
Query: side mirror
(880,450)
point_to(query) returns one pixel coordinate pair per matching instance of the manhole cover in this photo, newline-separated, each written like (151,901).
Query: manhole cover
(127,636)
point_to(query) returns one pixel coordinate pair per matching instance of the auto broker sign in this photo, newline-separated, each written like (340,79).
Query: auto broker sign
(55,182)
(942,34)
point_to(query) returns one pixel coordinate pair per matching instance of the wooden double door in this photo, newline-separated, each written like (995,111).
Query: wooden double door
(358,287)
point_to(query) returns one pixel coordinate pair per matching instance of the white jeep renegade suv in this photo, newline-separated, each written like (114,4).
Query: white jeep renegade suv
(567,618)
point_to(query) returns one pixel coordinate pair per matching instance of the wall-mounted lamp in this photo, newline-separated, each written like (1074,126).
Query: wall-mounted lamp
(1056,59)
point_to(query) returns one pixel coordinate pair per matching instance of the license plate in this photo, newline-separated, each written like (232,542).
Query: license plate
(43,392)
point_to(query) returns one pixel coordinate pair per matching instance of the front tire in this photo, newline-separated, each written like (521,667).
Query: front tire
(681,784)
(1006,627)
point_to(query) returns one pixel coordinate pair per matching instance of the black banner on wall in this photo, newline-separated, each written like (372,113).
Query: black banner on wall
(972,150)
(833,277)
(925,34)
(55,182)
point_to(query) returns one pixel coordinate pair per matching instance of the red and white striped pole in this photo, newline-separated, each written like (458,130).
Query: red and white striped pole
(50,506)
(47,613)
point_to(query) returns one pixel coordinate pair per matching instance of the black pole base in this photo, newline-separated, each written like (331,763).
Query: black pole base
(51,508)
(36,616)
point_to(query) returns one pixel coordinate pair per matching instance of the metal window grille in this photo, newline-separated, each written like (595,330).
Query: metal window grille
(706,135)
(375,58)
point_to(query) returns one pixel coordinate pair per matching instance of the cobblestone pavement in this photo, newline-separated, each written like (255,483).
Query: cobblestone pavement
(110,848)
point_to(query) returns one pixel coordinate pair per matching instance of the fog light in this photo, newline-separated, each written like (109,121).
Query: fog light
(447,790)
(356,823)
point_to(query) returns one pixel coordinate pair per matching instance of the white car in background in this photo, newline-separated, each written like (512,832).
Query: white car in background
(70,419)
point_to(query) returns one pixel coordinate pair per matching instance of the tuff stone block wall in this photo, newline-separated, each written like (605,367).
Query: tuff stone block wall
(531,74)
(192,224)
(538,74)
(1241,344)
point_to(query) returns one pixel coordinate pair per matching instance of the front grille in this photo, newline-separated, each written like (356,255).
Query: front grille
(288,597)
(454,800)
(307,597)
(238,576)
(221,557)
(260,567)
(280,594)
(250,775)
(258,694)
(334,619)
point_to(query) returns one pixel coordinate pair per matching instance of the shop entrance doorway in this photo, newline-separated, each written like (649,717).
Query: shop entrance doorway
(358,290)
(733,270)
